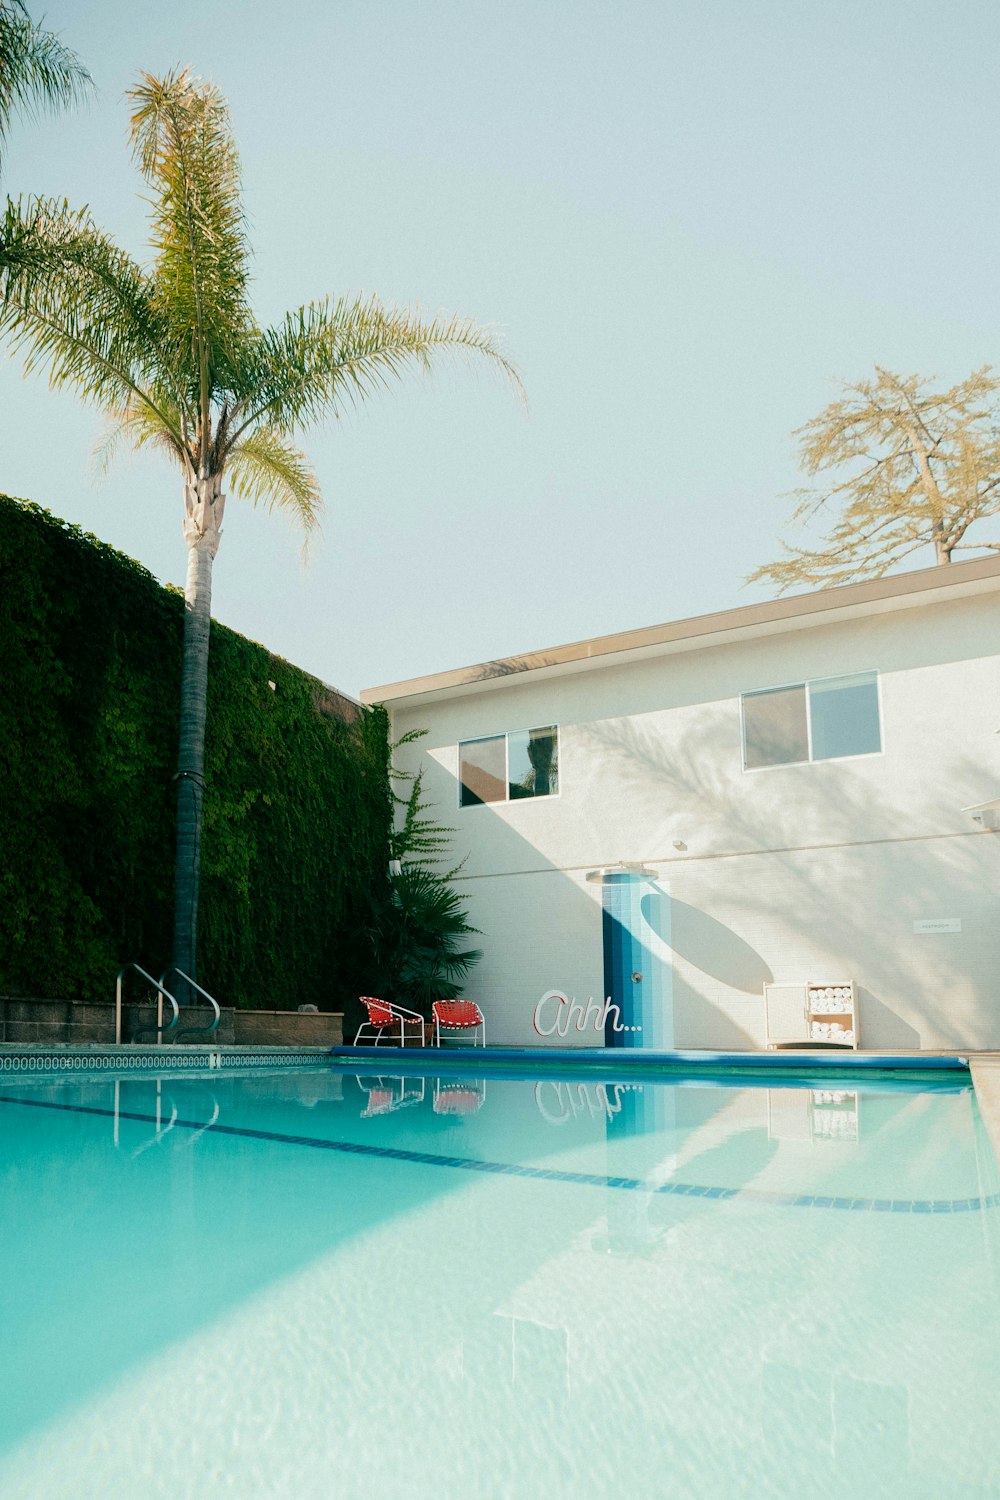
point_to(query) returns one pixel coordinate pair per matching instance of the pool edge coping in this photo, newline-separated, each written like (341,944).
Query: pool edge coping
(985,1071)
(615,1059)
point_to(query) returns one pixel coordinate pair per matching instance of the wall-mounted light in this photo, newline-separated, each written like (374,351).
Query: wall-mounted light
(985,814)
(680,844)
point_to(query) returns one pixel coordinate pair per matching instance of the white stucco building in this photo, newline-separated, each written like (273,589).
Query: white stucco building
(791,783)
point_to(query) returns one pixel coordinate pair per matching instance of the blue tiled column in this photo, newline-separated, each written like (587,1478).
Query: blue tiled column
(636,979)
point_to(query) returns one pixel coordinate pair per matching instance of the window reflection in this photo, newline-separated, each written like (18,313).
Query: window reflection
(533,762)
(844,715)
(774,727)
(483,771)
(822,720)
(509,767)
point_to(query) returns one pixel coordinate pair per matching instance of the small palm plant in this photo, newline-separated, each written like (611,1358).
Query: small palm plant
(37,71)
(420,939)
(420,929)
(173,354)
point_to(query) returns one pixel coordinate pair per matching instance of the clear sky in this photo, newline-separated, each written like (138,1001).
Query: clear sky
(690,217)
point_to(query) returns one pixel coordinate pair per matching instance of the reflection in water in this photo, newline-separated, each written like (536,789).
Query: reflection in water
(558,1101)
(814,1115)
(449,1096)
(389,1093)
(459,1096)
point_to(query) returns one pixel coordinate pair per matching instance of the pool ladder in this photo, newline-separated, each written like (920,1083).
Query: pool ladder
(169,1031)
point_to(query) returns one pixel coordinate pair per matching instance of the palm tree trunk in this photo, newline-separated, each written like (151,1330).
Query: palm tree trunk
(203,508)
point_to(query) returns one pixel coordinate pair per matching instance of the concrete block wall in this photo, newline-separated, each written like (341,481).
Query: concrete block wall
(35,1019)
(42,1021)
(284,1028)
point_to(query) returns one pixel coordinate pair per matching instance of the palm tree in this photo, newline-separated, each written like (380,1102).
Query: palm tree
(173,354)
(36,70)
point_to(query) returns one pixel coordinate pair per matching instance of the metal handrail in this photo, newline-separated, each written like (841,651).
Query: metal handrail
(173,969)
(160,992)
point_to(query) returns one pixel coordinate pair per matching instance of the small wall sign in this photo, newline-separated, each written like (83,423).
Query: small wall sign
(938,924)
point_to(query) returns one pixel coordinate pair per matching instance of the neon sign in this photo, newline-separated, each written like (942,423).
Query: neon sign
(555,1013)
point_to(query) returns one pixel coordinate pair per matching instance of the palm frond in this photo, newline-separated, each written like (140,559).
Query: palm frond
(80,309)
(37,70)
(267,470)
(139,426)
(174,354)
(182,143)
(334,354)
(419,838)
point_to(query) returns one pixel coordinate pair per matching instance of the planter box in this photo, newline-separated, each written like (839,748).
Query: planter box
(32,1019)
(287,1028)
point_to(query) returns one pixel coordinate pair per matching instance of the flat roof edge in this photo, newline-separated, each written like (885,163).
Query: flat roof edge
(920,585)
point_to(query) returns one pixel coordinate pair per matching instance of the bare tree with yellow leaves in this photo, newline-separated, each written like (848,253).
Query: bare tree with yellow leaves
(905,467)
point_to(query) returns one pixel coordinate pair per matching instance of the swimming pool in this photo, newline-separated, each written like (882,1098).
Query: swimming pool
(319,1282)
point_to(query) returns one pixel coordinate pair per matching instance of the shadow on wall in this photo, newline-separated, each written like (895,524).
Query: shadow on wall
(702,1022)
(857,904)
(879,1019)
(707,944)
(541,931)
(553,927)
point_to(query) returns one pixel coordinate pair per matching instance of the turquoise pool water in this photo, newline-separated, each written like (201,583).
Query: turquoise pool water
(320,1283)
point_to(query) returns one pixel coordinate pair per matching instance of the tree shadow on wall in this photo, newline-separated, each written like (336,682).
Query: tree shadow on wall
(863,925)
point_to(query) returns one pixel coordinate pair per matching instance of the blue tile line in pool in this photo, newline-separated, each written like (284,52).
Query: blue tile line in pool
(544,1174)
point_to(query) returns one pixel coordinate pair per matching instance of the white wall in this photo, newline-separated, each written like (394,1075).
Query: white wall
(799,872)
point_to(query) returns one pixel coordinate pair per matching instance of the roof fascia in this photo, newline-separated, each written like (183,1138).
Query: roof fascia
(929,586)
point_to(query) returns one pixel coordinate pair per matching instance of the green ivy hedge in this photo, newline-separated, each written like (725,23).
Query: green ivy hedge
(297,805)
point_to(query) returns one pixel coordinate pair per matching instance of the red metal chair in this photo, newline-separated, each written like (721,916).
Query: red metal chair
(458,1015)
(384,1016)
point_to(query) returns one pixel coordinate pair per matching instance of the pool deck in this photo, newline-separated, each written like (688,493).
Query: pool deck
(985,1070)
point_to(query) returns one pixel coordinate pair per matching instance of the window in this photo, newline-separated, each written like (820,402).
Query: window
(806,721)
(508,767)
